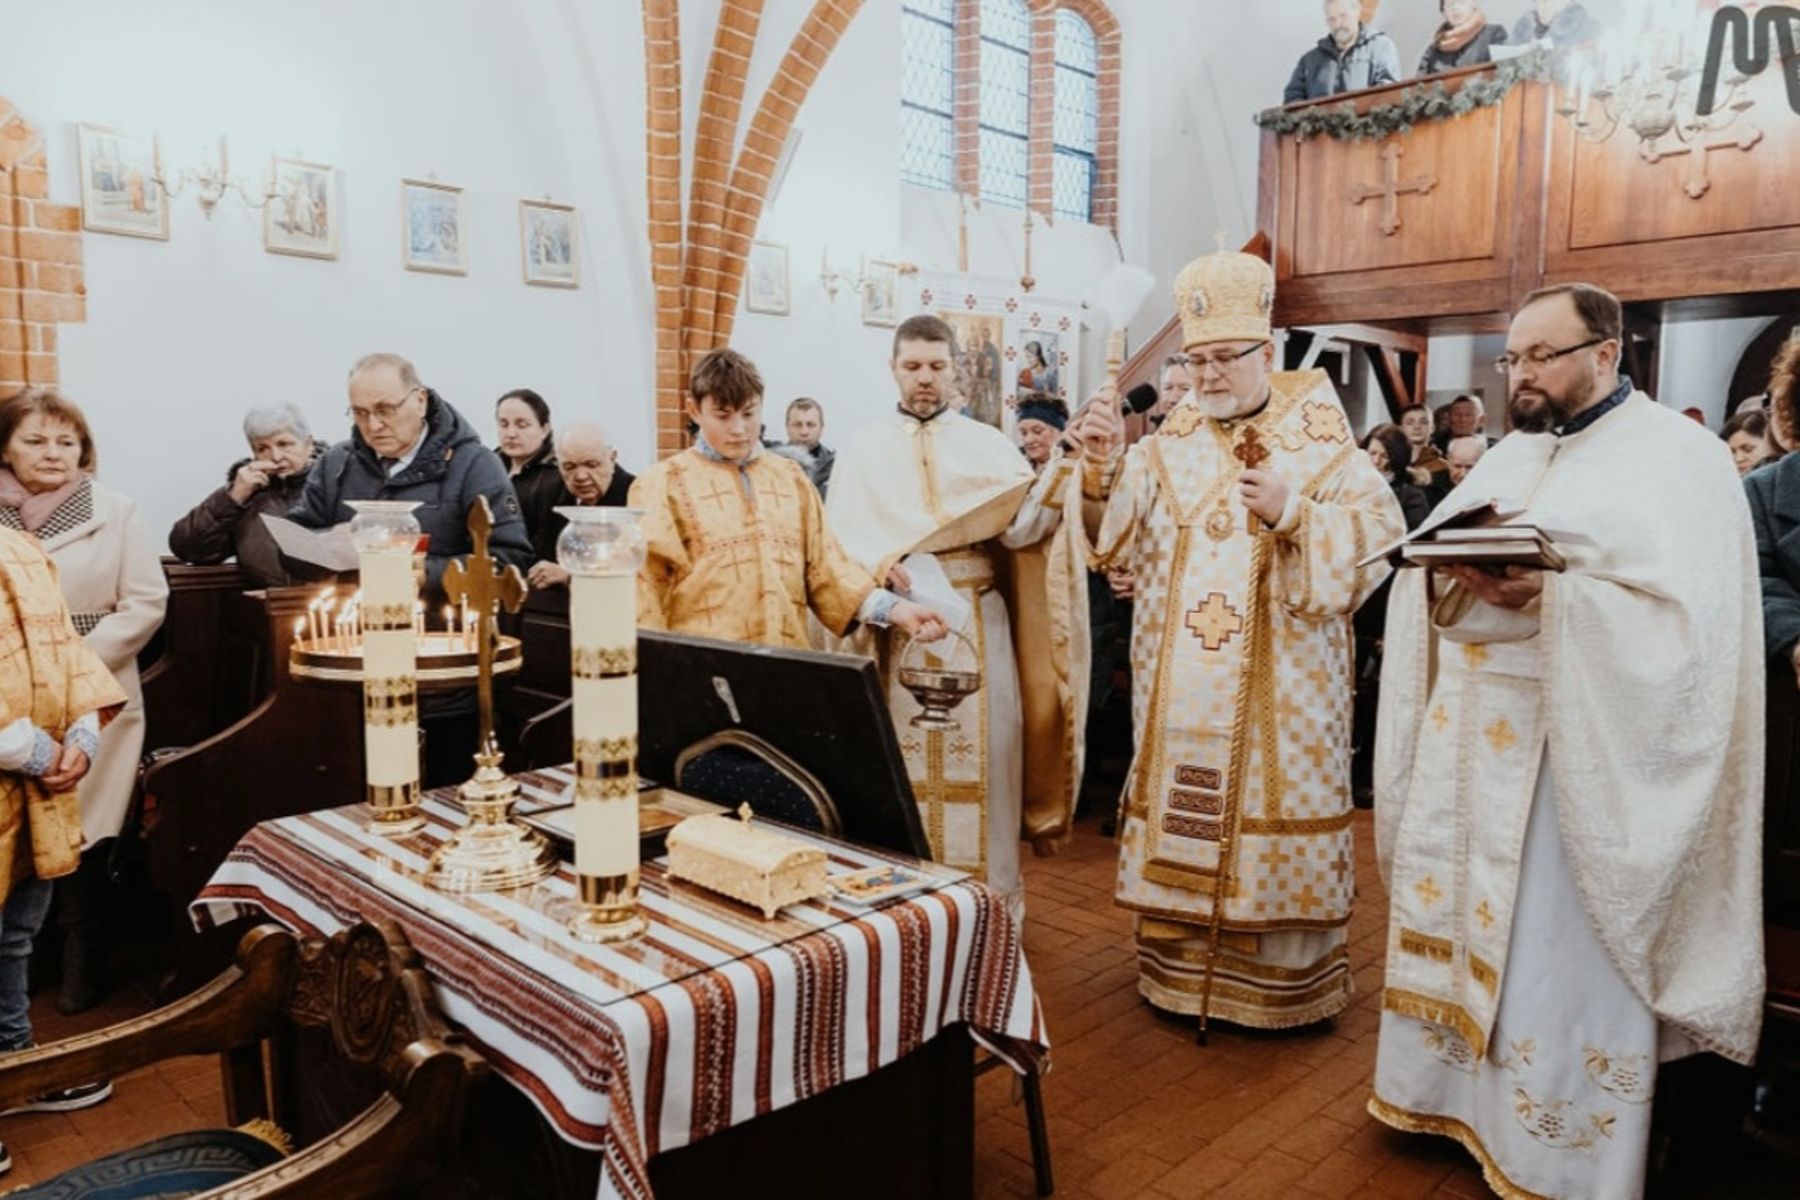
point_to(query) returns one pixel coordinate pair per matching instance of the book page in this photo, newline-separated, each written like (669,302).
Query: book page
(328,548)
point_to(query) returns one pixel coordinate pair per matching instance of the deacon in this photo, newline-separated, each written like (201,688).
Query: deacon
(925,479)
(1568,781)
(1245,518)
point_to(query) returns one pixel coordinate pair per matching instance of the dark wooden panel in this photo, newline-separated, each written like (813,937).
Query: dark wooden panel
(187,695)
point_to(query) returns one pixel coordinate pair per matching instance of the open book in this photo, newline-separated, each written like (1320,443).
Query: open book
(328,548)
(1483,533)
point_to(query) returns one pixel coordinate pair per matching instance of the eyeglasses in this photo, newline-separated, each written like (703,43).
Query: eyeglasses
(385,412)
(1221,362)
(1539,356)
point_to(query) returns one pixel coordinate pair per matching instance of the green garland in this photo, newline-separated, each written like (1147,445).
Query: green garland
(1420,102)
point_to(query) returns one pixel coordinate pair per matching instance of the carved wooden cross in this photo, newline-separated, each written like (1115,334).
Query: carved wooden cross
(1699,178)
(1391,188)
(486,589)
(1251,451)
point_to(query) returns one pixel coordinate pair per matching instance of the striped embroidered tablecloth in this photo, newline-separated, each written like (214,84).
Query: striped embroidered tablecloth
(712,1018)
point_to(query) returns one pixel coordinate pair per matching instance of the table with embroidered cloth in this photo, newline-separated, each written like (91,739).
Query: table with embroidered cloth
(713,1018)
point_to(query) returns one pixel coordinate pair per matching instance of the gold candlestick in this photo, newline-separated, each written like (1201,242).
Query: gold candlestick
(492,850)
(602,549)
(385,532)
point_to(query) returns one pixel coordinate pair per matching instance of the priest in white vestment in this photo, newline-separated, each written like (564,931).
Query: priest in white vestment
(926,480)
(1568,782)
(1244,519)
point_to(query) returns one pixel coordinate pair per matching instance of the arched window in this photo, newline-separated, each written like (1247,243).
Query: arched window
(927,93)
(1076,132)
(1005,100)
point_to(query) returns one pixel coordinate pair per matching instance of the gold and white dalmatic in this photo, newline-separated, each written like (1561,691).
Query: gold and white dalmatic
(1241,689)
(1569,810)
(961,490)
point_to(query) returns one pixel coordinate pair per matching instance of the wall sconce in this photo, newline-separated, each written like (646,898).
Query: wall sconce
(832,278)
(211,183)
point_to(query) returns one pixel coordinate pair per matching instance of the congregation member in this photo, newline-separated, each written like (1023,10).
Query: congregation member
(528,449)
(1464,453)
(1574,876)
(1429,468)
(228,524)
(1465,39)
(1746,435)
(752,562)
(56,699)
(1464,416)
(1171,389)
(1351,56)
(1390,451)
(588,466)
(1042,420)
(805,433)
(408,443)
(1774,497)
(1562,23)
(1245,517)
(926,479)
(113,584)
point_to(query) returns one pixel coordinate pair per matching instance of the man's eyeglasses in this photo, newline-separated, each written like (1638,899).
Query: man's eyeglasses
(1538,356)
(385,412)
(1222,361)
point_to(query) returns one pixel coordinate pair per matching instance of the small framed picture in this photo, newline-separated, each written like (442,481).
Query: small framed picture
(431,228)
(119,193)
(881,295)
(766,279)
(301,216)
(547,244)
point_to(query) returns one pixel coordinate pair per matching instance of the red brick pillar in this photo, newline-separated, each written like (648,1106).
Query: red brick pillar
(41,282)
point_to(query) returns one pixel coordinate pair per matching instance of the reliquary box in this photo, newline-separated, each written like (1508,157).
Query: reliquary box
(756,865)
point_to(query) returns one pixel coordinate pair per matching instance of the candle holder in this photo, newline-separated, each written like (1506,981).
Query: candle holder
(602,549)
(385,533)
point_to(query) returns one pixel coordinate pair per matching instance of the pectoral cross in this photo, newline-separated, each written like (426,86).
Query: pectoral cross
(1391,189)
(1253,454)
(487,589)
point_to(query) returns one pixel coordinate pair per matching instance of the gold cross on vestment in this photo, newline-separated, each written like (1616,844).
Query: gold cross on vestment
(487,589)
(1485,915)
(1214,621)
(1274,858)
(1500,735)
(1308,900)
(1340,866)
(1429,892)
(1391,189)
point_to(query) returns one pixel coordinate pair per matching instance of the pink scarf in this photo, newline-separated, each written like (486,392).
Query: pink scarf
(34,507)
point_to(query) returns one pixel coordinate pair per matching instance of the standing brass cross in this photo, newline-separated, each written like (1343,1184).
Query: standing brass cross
(487,589)
(1251,451)
(1391,188)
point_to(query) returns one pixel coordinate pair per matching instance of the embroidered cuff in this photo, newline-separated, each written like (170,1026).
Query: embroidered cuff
(18,739)
(1290,515)
(84,735)
(877,607)
(1097,478)
(43,756)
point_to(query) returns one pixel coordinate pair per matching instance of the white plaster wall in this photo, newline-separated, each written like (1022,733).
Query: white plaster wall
(1698,360)
(182,335)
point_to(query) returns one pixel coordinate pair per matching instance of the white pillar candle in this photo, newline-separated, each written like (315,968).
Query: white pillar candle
(603,643)
(390,660)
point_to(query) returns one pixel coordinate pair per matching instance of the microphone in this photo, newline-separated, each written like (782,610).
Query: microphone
(1142,398)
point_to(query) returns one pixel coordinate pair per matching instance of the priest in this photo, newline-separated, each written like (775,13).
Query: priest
(1568,781)
(1245,519)
(926,480)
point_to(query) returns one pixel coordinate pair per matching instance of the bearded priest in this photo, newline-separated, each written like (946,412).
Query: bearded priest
(1244,519)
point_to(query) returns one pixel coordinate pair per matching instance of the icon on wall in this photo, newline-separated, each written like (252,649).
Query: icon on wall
(301,216)
(119,193)
(431,228)
(548,247)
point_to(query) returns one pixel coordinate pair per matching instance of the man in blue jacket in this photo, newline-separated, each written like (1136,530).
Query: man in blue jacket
(409,444)
(1348,58)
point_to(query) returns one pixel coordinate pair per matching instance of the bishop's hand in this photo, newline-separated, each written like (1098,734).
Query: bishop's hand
(1100,428)
(1264,493)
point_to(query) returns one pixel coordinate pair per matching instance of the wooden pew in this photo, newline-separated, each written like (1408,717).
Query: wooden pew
(298,750)
(192,688)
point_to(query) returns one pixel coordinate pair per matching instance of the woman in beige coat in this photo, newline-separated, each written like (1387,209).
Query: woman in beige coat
(113,583)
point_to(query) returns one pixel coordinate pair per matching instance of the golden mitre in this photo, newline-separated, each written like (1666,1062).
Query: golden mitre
(1225,297)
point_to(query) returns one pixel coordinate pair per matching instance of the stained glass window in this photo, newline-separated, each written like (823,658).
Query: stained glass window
(927,88)
(1005,100)
(1076,124)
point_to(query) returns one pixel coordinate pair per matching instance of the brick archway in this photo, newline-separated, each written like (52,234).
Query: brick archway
(41,280)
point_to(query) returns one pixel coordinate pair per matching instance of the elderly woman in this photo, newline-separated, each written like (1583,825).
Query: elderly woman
(1774,496)
(1465,39)
(529,453)
(229,523)
(115,591)
(55,696)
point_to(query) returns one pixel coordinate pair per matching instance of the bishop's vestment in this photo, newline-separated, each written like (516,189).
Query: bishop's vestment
(1239,793)
(740,551)
(1569,809)
(961,490)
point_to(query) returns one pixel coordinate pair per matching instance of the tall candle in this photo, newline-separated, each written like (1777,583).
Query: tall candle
(390,659)
(603,635)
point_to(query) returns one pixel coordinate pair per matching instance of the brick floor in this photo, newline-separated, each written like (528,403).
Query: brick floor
(1135,1108)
